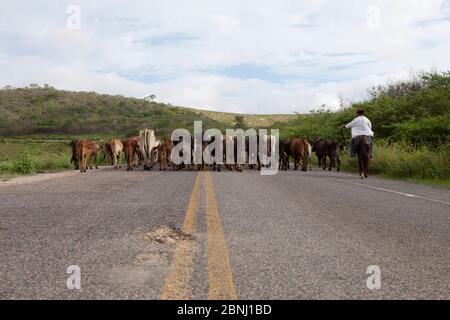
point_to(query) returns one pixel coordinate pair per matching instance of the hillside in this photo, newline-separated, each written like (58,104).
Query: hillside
(44,111)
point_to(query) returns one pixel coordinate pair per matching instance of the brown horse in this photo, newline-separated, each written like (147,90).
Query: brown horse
(362,150)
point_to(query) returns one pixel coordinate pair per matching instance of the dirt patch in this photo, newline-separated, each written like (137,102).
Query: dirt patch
(167,235)
(38,178)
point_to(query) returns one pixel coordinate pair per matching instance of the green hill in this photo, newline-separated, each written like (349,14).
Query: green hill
(44,111)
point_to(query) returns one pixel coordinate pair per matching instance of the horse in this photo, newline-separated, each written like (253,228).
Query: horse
(362,150)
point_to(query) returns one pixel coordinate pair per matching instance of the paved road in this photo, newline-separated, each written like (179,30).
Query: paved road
(291,236)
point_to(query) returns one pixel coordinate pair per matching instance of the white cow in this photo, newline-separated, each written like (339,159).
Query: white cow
(116,148)
(147,144)
(309,155)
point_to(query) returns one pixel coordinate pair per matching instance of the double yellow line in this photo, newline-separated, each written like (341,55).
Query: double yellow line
(220,279)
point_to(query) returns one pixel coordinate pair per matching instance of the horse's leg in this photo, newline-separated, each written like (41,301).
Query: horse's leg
(366,166)
(361,160)
(360,166)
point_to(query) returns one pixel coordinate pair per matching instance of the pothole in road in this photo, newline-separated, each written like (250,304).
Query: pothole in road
(167,235)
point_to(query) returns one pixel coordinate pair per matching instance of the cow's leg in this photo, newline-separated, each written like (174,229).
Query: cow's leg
(304,163)
(338,164)
(95,161)
(130,159)
(85,163)
(331,163)
(115,160)
(119,164)
(80,164)
(324,163)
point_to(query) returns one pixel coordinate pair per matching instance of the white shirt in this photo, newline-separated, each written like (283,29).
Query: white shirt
(361,126)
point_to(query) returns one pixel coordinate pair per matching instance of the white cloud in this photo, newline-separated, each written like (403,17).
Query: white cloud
(310,52)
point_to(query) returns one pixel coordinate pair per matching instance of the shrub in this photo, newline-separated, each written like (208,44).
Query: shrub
(26,165)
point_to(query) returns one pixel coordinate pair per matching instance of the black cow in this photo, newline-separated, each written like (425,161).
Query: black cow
(74,158)
(327,149)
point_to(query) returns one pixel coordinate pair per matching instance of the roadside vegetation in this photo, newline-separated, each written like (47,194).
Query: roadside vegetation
(411,120)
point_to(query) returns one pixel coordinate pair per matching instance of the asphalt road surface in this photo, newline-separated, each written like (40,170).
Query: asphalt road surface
(295,235)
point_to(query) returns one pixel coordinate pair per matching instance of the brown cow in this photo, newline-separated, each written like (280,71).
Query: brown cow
(298,150)
(130,147)
(163,156)
(168,144)
(86,149)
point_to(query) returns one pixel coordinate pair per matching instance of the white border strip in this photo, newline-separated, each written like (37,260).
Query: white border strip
(395,192)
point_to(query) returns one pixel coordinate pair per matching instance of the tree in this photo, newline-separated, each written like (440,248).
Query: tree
(239,122)
(150,97)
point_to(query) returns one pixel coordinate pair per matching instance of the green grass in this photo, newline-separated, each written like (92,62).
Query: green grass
(406,162)
(25,157)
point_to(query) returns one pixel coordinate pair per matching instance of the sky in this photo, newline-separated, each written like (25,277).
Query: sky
(250,56)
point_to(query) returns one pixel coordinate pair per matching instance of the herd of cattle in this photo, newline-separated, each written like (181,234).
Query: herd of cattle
(146,150)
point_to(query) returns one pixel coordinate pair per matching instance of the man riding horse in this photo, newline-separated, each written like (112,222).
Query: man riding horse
(362,141)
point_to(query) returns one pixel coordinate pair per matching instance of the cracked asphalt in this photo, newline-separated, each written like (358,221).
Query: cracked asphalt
(294,235)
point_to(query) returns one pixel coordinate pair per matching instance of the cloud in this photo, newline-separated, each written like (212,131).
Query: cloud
(243,56)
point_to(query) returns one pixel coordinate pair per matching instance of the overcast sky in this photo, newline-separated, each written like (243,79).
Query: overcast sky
(237,56)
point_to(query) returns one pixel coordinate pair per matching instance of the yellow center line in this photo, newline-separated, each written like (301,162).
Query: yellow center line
(177,285)
(220,278)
